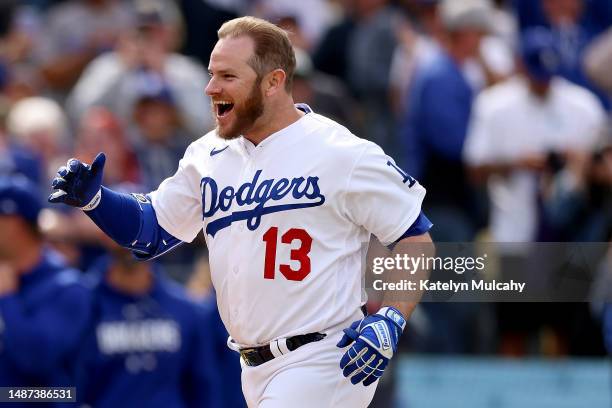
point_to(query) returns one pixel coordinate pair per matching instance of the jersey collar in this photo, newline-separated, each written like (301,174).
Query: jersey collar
(303,107)
(250,148)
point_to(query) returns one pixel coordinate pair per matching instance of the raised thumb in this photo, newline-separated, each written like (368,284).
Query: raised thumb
(98,163)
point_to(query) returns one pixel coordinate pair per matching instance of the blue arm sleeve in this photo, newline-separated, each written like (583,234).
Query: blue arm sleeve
(420,226)
(130,220)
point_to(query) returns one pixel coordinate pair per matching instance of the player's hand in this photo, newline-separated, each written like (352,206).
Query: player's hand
(78,184)
(374,340)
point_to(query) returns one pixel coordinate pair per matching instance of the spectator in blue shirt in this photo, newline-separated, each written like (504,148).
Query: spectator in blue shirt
(435,125)
(436,120)
(594,15)
(43,305)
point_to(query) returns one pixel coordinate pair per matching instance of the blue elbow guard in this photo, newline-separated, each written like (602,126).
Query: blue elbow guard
(420,226)
(152,240)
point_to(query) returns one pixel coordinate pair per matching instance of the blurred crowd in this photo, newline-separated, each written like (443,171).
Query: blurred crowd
(501,109)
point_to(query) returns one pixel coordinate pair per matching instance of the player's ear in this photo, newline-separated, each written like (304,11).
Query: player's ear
(274,82)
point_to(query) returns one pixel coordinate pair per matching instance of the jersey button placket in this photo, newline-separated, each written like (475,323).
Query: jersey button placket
(243,243)
(236,228)
(246,176)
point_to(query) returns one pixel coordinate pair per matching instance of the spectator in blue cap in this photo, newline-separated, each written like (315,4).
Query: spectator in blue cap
(573,25)
(159,134)
(160,137)
(43,307)
(19,198)
(540,58)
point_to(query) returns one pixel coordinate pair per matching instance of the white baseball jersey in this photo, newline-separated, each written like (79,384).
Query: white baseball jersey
(510,123)
(287,222)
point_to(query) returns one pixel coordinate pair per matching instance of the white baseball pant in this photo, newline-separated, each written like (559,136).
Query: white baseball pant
(305,378)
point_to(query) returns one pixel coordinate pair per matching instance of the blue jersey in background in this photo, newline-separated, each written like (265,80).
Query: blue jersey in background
(41,325)
(145,351)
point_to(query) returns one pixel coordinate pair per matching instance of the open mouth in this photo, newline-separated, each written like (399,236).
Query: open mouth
(223,108)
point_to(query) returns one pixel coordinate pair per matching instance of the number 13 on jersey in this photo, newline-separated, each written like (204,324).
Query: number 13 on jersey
(299,254)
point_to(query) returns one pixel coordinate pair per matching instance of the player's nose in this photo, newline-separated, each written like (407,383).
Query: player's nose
(212,88)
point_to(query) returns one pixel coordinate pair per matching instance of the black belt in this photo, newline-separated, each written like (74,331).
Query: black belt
(258,355)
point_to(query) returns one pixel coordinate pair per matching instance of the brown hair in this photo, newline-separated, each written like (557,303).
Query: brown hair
(273,48)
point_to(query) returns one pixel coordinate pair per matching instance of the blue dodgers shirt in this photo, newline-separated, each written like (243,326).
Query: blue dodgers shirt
(433,130)
(150,350)
(227,362)
(41,325)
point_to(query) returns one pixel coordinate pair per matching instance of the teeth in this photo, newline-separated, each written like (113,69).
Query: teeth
(222,103)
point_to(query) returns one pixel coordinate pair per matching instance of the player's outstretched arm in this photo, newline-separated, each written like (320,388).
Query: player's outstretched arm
(129,219)
(374,338)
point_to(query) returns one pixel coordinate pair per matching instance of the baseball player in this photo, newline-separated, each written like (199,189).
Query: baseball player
(287,200)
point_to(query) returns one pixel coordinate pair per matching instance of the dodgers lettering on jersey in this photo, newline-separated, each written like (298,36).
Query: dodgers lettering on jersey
(287,223)
(259,193)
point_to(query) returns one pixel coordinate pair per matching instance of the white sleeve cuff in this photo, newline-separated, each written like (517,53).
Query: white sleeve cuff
(95,201)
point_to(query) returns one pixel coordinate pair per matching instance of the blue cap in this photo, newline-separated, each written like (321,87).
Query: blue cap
(151,86)
(539,53)
(19,196)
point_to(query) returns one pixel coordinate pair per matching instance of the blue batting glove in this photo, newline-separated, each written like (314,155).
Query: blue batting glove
(79,184)
(374,340)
